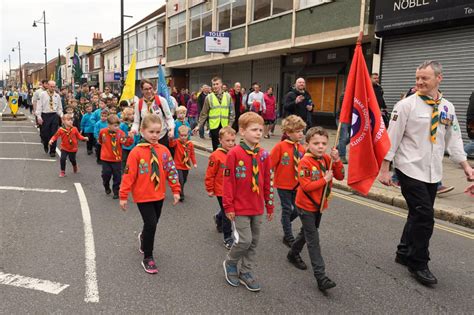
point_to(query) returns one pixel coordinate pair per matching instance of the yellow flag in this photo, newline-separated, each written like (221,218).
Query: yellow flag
(52,77)
(13,102)
(129,89)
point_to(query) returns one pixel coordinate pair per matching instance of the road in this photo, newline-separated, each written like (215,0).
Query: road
(42,237)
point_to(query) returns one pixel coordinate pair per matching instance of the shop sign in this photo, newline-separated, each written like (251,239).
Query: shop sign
(332,55)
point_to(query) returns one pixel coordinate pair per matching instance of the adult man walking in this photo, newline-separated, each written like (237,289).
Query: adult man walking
(423,126)
(48,108)
(379,95)
(218,108)
(239,107)
(298,102)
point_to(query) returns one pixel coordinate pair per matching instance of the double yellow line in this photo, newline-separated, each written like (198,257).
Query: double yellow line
(402,215)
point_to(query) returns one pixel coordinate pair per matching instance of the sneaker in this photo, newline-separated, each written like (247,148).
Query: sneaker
(89,152)
(52,154)
(116,196)
(149,265)
(288,241)
(249,281)
(140,243)
(46,148)
(228,243)
(62,174)
(325,284)
(75,169)
(218,224)
(107,190)
(296,260)
(231,274)
(444,189)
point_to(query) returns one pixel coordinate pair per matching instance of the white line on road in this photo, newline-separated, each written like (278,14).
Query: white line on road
(92,290)
(61,191)
(32,283)
(18,132)
(27,159)
(1,142)
(58,152)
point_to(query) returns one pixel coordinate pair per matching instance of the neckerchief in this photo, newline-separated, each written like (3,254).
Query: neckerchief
(222,149)
(155,167)
(113,137)
(322,165)
(68,134)
(434,116)
(255,170)
(296,156)
(51,102)
(186,158)
(148,104)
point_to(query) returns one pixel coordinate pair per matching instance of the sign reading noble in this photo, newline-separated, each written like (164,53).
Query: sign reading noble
(217,42)
(397,14)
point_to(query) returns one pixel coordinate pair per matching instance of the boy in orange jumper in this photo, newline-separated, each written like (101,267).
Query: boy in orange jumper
(285,157)
(248,190)
(69,136)
(111,140)
(313,175)
(184,156)
(215,178)
(149,166)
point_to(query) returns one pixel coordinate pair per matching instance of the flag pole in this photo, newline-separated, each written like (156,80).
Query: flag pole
(323,198)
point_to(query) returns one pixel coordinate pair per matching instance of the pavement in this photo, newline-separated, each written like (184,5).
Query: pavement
(48,230)
(455,206)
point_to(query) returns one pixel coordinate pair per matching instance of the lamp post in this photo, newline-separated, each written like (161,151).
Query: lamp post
(43,21)
(19,59)
(122,50)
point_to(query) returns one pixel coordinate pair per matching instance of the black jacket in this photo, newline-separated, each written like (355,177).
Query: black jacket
(470,117)
(292,108)
(379,95)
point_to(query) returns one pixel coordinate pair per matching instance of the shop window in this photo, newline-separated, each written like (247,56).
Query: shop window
(324,92)
(97,61)
(152,42)
(266,8)
(141,50)
(230,13)
(177,29)
(310,3)
(200,20)
(132,46)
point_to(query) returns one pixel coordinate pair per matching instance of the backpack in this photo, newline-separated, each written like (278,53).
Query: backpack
(157,101)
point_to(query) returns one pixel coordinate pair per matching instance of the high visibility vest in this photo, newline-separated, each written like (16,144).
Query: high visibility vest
(219,112)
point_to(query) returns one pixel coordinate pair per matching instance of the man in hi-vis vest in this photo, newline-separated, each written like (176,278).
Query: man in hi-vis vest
(218,109)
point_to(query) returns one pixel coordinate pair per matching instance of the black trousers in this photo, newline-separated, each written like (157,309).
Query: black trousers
(151,212)
(183,178)
(215,137)
(98,148)
(125,154)
(109,170)
(64,155)
(415,240)
(48,129)
(91,142)
(225,223)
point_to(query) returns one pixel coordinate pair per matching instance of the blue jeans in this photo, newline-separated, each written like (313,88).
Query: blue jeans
(343,140)
(288,211)
(469,148)
(192,122)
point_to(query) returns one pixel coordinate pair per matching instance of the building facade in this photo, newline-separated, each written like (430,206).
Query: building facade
(427,30)
(111,57)
(272,42)
(82,49)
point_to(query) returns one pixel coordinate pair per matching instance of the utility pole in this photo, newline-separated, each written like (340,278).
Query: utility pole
(121,48)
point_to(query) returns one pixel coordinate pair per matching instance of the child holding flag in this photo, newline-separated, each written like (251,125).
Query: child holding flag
(184,156)
(69,136)
(149,165)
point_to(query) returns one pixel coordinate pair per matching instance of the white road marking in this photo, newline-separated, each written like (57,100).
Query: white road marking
(32,283)
(18,132)
(27,159)
(6,142)
(61,191)
(92,290)
(58,152)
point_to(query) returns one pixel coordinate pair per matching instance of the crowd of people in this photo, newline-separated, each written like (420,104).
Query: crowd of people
(144,143)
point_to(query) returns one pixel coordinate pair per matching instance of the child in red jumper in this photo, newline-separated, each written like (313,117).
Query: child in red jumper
(248,190)
(111,140)
(148,166)
(313,175)
(215,178)
(69,136)
(184,156)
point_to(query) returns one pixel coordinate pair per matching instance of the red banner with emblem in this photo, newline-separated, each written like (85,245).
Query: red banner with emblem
(369,142)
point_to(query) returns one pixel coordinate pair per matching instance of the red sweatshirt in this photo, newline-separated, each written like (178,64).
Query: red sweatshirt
(283,164)
(105,140)
(137,175)
(68,138)
(180,148)
(311,179)
(214,180)
(239,197)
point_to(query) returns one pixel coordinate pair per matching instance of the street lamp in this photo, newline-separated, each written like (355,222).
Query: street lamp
(43,21)
(19,58)
(122,72)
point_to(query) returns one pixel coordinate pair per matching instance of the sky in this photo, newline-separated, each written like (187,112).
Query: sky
(67,19)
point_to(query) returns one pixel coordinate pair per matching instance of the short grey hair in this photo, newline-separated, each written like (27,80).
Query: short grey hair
(435,65)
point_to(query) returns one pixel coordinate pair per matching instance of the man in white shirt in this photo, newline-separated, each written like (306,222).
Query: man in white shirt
(48,111)
(256,100)
(422,127)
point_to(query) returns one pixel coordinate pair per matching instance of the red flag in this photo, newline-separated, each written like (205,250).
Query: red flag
(369,139)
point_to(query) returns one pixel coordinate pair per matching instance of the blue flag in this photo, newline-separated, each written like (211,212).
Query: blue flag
(163,90)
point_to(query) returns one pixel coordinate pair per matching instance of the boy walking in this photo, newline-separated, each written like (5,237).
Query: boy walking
(249,190)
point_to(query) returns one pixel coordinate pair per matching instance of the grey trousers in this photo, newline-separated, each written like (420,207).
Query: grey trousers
(248,228)
(309,234)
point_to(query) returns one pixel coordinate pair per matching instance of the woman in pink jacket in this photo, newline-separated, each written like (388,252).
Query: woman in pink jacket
(270,114)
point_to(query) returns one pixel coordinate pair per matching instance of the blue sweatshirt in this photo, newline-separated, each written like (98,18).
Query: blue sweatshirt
(124,127)
(98,126)
(179,123)
(87,125)
(96,115)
